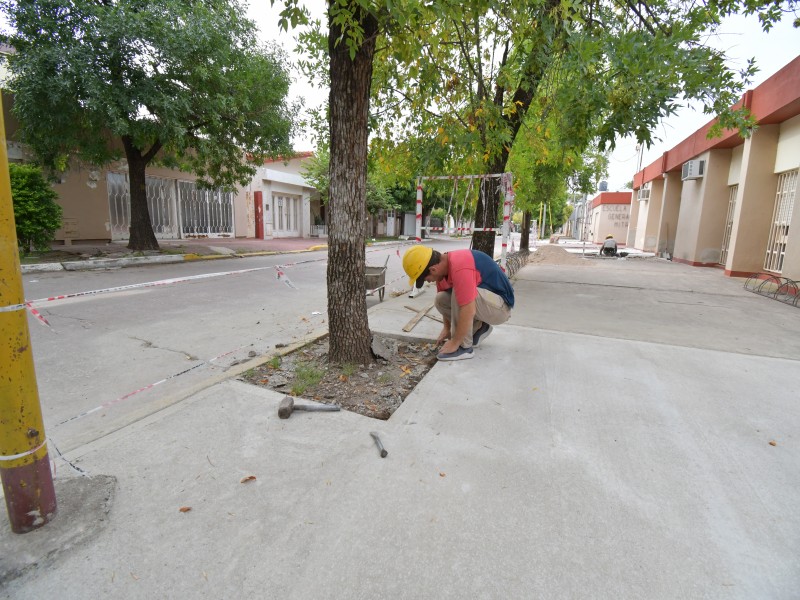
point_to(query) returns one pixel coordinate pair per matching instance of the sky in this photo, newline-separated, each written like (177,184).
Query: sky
(740,37)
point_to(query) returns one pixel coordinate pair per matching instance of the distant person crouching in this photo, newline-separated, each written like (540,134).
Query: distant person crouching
(609,247)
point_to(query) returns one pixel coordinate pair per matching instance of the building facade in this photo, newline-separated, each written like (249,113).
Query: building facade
(95,201)
(609,214)
(281,203)
(729,202)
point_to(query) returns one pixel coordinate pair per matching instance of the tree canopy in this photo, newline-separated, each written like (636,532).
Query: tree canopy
(181,82)
(466,74)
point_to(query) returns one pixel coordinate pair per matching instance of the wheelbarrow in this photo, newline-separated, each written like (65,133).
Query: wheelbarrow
(375,279)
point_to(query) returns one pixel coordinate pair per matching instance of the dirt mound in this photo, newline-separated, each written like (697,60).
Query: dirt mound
(556,255)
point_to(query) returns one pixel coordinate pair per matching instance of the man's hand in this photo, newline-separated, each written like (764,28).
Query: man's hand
(443,335)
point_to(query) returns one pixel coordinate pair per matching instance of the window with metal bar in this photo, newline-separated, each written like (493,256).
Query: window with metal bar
(726,235)
(781,217)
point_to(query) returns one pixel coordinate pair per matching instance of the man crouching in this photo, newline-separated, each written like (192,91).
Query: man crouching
(473,295)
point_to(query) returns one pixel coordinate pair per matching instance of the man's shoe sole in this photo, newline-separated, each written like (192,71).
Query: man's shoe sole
(461,354)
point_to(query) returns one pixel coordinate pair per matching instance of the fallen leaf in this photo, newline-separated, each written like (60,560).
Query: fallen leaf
(442,475)
(185,508)
(342,377)
(248,478)
(263,381)
(134,577)
(773,443)
(406,370)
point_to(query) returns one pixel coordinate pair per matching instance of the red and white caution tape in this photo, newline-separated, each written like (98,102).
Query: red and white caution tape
(23,454)
(280,275)
(31,305)
(26,305)
(148,387)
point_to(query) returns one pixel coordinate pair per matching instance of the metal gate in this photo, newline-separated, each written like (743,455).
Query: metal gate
(781,217)
(726,234)
(204,212)
(178,209)
(160,203)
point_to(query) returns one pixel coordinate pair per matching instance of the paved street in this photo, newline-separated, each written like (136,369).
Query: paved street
(109,359)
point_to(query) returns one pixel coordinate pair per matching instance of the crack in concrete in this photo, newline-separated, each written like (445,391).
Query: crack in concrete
(149,344)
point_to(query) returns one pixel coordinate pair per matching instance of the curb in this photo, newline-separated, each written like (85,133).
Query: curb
(105,263)
(41,267)
(109,263)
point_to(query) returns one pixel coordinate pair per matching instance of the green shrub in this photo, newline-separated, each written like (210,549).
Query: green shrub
(36,213)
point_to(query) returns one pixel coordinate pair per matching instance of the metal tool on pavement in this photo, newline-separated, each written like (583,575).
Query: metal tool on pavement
(287,406)
(378,443)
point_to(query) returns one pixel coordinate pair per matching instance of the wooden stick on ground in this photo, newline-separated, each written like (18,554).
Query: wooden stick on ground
(431,317)
(413,322)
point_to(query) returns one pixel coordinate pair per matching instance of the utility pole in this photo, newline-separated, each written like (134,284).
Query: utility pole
(24,463)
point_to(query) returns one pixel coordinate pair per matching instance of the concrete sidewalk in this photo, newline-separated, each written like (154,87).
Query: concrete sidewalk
(630,433)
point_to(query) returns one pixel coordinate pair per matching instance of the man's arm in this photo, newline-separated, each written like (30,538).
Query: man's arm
(466,314)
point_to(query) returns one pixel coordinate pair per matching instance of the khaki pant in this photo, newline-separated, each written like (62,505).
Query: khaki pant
(489,308)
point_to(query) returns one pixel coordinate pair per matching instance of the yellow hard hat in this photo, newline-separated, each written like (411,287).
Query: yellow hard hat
(415,261)
(608,237)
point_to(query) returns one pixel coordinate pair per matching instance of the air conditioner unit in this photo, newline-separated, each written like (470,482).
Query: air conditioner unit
(693,169)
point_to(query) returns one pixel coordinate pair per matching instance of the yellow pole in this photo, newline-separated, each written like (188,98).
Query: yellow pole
(541,226)
(24,463)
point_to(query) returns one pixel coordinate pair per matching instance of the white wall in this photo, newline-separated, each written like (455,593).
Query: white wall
(788,154)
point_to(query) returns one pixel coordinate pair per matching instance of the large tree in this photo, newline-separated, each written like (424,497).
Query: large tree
(469,73)
(465,73)
(344,55)
(350,85)
(184,83)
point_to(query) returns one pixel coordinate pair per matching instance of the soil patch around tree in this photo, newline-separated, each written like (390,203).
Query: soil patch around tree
(375,390)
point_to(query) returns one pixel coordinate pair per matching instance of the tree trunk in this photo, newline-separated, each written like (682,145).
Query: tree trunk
(350,339)
(141,231)
(524,239)
(488,207)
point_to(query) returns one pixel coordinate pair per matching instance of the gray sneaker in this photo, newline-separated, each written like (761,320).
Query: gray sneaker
(459,354)
(482,333)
